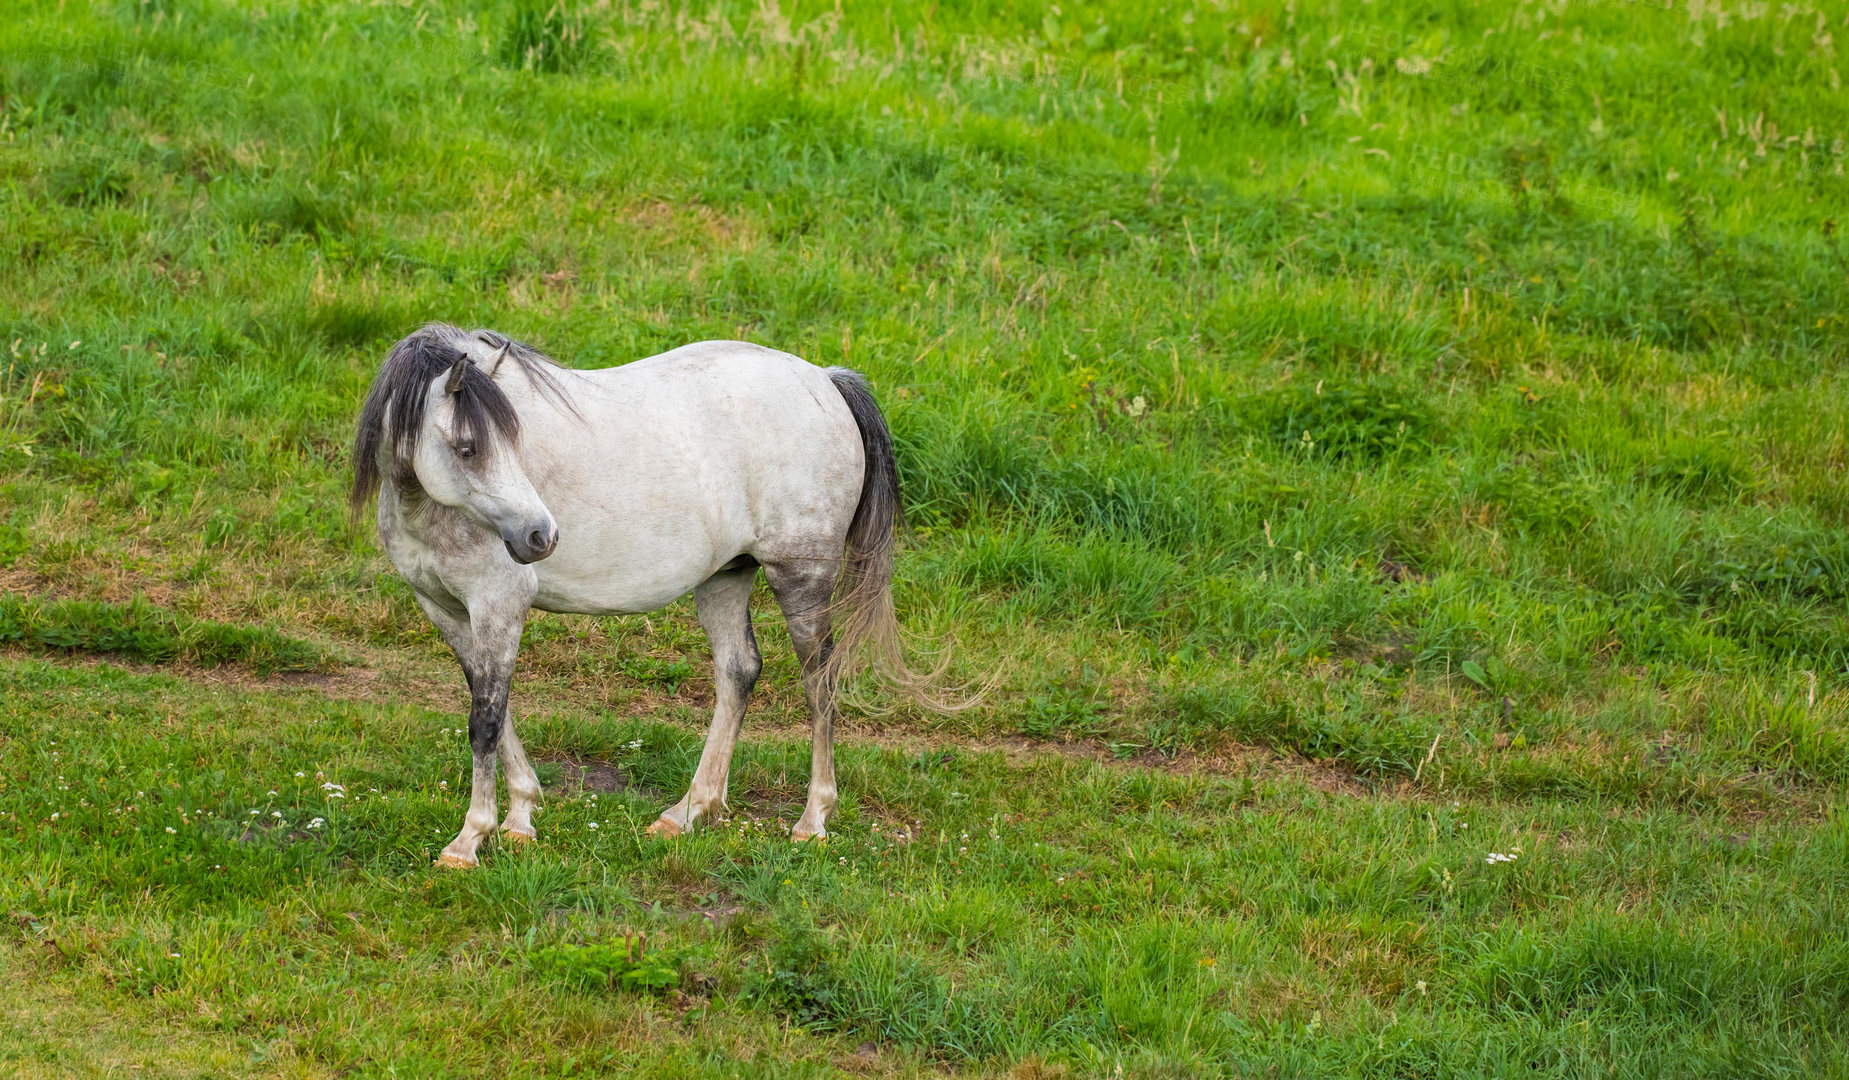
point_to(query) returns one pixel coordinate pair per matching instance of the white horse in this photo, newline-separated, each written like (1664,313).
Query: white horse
(506,482)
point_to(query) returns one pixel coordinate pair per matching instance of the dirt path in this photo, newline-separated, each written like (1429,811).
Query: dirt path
(402,677)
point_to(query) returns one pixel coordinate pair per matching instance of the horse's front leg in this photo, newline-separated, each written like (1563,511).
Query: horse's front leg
(522,785)
(486,642)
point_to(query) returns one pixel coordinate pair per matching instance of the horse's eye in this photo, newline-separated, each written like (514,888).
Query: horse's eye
(465,450)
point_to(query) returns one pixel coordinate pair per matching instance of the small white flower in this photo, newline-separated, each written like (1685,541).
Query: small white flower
(54,817)
(171,829)
(1495,857)
(300,774)
(254,813)
(174,955)
(593,824)
(272,791)
(317,823)
(276,813)
(444,784)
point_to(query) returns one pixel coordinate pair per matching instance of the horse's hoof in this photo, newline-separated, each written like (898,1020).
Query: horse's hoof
(803,836)
(518,837)
(665,827)
(449,860)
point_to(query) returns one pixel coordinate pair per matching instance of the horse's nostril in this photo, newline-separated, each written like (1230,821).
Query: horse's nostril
(537,539)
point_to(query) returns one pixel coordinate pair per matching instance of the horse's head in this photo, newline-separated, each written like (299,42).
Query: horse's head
(438,421)
(465,455)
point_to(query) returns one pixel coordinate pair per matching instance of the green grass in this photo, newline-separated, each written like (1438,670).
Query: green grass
(1352,442)
(140,631)
(968,911)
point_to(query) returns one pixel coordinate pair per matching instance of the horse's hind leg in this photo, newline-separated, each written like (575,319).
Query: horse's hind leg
(724,605)
(805,591)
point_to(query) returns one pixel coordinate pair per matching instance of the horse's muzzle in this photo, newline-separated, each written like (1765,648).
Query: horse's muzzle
(534,546)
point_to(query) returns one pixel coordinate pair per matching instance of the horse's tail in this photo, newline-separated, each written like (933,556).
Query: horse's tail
(867,633)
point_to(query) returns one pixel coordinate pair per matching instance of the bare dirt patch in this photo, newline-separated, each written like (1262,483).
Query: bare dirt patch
(588,774)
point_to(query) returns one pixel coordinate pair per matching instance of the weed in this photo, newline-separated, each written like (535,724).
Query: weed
(1365,421)
(799,978)
(13,543)
(623,963)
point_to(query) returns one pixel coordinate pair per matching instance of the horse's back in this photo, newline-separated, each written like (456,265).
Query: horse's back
(737,358)
(735,398)
(701,453)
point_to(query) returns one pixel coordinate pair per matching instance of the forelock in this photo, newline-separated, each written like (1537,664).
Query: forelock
(394,414)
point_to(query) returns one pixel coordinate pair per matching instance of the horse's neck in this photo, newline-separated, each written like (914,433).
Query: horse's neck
(531,400)
(546,425)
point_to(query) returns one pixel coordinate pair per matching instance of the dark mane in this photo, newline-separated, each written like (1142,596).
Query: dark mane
(394,411)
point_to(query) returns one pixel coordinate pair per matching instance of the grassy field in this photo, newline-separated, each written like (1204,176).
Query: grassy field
(1389,462)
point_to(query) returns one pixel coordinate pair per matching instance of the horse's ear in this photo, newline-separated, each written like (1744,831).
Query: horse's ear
(500,354)
(454,385)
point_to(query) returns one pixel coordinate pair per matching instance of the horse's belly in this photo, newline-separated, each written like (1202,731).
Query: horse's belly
(643,581)
(607,597)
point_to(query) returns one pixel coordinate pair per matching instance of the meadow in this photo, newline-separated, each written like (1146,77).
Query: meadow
(1386,464)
